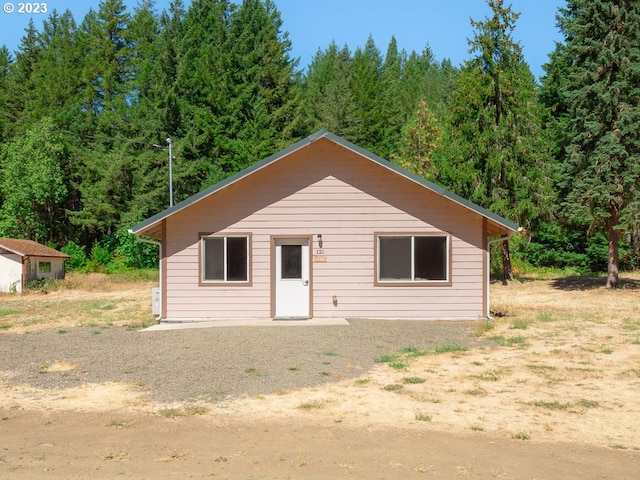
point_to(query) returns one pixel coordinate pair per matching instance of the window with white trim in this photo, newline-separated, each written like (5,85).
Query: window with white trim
(225,259)
(413,258)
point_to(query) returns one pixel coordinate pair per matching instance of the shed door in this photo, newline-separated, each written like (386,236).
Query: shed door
(291,278)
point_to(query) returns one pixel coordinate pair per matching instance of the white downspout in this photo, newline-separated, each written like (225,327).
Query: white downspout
(159,244)
(505,236)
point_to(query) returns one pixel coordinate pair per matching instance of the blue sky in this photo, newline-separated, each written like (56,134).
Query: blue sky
(443,25)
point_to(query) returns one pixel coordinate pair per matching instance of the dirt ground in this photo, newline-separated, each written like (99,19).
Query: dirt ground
(557,398)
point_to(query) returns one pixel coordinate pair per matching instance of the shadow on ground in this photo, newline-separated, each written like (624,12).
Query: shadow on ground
(582,283)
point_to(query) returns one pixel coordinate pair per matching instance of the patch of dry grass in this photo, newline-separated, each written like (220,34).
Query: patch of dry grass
(81,300)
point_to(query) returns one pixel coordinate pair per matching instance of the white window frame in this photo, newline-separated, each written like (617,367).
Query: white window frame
(413,280)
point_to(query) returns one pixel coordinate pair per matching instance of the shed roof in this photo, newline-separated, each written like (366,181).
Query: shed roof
(152,226)
(29,248)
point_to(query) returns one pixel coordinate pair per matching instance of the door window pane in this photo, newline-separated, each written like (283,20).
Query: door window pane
(291,266)
(395,258)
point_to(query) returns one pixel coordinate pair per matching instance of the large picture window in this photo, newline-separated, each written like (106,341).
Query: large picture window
(413,258)
(225,259)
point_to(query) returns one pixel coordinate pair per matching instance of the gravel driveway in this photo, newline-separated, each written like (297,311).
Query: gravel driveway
(214,364)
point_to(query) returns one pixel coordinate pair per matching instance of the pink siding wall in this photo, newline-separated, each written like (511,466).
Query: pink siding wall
(325,189)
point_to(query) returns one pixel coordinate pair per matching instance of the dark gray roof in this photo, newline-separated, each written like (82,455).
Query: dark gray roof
(302,143)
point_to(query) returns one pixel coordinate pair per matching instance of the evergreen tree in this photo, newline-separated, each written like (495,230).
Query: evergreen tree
(20,81)
(420,137)
(601,169)
(203,93)
(328,101)
(262,102)
(107,69)
(497,154)
(57,74)
(6,60)
(364,80)
(393,113)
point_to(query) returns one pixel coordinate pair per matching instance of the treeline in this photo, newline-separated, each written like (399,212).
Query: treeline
(85,111)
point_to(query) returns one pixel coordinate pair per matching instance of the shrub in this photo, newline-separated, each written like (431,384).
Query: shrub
(78,256)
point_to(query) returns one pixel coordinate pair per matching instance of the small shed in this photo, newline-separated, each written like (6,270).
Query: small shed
(22,261)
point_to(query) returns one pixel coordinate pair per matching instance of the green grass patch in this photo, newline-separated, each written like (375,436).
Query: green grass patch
(520,324)
(5,312)
(607,351)
(630,324)
(423,417)
(450,348)
(312,405)
(522,436)
(476,392)
(394,387)
(6,326)
(552,405)
(509,341)
(413,380)
(386,358)
(546,317)
(402,360)
(588,403)
(329,354)
(415,351)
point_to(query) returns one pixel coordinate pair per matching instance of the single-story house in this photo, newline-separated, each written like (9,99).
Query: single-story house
(324,229)
(22,261)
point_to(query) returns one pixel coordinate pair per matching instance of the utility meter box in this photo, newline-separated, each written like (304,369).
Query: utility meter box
(155,301)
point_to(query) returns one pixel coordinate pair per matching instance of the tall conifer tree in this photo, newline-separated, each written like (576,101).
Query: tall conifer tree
(497,154)
(601,169)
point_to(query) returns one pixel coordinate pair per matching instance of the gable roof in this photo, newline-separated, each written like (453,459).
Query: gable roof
(29,248)
(150,226)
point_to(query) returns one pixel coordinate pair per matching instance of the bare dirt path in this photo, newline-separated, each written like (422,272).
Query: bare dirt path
(107,445)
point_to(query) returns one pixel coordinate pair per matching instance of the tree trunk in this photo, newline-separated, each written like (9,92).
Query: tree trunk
(614,240)
(507,272)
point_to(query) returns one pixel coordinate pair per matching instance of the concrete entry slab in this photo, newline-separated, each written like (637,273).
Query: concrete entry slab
(250,322)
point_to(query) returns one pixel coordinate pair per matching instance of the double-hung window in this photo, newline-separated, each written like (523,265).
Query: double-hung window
(413,258)
(225,259)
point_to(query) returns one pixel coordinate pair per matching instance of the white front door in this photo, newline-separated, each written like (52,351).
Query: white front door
(292,278)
